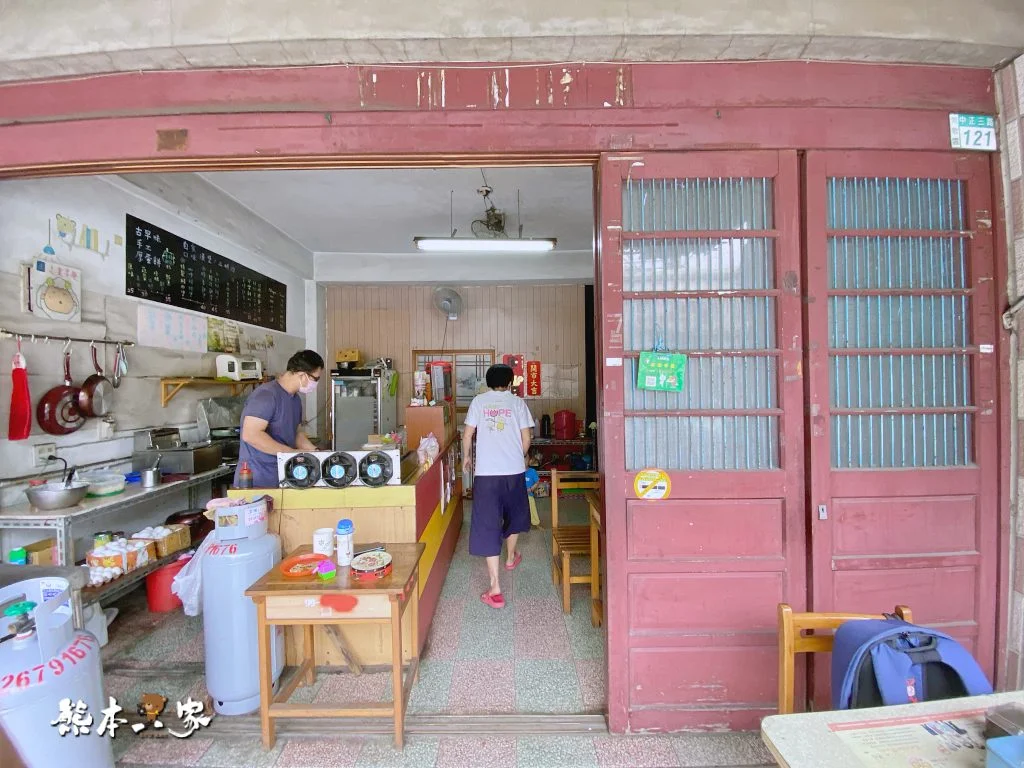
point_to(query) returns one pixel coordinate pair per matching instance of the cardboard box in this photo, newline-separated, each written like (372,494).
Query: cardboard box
(126,561)
(42,552)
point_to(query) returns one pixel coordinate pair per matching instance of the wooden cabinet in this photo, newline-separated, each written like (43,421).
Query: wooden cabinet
(422,420)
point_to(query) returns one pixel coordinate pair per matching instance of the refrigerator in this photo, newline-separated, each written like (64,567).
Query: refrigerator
(363,403)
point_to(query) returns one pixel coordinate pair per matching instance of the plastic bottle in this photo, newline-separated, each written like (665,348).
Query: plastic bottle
(18,556)
(244,476)
(344,536)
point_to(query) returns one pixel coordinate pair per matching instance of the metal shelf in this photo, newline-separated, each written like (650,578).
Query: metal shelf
(61,520)
(121,585)
(556,441)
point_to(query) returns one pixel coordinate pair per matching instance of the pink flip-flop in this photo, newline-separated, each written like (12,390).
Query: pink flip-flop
(516,561)
(495,601)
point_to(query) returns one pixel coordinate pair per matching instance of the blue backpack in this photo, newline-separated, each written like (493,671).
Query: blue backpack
(881,662)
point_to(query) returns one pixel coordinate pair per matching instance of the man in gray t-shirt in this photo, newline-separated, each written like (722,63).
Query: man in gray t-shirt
(272,418)
(501,423)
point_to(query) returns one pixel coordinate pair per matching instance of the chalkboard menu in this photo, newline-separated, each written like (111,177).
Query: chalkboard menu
(163,267)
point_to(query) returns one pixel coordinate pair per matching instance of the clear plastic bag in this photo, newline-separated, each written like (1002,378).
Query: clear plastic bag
(428,451)
(188,584)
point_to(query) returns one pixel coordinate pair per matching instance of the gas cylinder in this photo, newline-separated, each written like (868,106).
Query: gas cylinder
(242,552)
(51,679)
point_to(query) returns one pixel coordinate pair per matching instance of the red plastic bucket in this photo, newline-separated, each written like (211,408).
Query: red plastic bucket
(158,587)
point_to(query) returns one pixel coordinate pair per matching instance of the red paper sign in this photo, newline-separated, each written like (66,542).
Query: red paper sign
(533,378)
(515,362)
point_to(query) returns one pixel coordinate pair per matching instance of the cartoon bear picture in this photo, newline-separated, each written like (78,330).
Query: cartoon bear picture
(66,230)
(151,705)
(57,298)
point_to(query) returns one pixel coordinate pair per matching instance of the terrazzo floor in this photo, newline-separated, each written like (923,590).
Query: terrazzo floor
(528,658)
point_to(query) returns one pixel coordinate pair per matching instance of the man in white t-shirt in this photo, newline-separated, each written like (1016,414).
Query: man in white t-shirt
(501,423)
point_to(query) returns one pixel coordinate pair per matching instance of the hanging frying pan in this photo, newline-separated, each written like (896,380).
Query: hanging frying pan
(95,395)
(57,412)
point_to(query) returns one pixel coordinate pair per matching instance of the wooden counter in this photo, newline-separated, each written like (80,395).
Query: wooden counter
(394,514)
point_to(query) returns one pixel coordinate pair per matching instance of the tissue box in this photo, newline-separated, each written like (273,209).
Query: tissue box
(1004,752)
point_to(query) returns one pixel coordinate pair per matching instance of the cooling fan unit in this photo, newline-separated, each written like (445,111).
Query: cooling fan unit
(339,470)
(302,470)
(376,468)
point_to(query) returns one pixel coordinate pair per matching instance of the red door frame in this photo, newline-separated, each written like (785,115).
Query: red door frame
(426,114)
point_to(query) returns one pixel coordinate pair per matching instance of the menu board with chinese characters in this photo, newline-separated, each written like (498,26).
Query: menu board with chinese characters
(163,267)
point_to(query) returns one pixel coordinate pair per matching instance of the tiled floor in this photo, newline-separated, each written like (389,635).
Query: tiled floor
(528,658)
(691,750)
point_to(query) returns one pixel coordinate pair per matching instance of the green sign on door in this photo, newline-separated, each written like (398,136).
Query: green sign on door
(661,372)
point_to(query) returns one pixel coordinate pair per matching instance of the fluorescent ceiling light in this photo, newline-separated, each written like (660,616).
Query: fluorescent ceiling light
(485,245)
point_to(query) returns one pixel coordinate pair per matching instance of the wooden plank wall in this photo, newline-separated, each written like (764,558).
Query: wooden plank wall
(544,322)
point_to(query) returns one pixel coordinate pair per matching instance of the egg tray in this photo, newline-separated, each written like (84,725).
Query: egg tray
(126,561)
(179,538)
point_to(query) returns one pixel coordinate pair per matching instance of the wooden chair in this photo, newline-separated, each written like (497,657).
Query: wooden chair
(792,641)
(595,504)
(569,541)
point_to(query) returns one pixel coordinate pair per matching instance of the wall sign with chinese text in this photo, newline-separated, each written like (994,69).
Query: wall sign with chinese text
(533,385)
(162,267)
(975,132)
(661,372)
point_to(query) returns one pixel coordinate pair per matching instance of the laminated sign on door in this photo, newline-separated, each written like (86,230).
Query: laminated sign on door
(661,371)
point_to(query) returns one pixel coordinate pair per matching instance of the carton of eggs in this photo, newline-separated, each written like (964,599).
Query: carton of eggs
(126,554)
(153,532)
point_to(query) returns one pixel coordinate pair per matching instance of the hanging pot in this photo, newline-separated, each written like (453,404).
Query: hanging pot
(57,412)
(95,395)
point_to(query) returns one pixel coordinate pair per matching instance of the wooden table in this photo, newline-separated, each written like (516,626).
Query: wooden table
(342,601)
(596,506)
(815,739)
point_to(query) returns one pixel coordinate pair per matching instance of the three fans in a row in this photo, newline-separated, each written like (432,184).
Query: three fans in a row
(339,469)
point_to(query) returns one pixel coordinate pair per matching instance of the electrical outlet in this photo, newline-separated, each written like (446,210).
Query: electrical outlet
(42,451)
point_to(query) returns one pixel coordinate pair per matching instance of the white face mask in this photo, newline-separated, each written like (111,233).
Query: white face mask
(310,386)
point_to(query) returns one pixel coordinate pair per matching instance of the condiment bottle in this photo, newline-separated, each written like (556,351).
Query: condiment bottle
(344,535)
(244,476)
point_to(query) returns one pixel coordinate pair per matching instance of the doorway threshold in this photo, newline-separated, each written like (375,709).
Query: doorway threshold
(436,725)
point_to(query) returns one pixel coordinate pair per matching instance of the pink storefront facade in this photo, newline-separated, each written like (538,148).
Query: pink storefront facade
(834,271)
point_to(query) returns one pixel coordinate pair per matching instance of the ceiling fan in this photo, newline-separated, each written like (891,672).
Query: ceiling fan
(488,232)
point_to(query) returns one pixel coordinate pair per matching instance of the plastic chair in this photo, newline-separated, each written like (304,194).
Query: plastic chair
(792,641)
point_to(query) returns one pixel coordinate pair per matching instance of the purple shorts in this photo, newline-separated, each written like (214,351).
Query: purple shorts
(500,508)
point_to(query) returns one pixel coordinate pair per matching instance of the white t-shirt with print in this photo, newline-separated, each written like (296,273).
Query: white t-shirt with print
(498,418)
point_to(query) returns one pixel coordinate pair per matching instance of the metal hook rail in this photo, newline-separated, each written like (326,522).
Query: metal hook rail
(6,333)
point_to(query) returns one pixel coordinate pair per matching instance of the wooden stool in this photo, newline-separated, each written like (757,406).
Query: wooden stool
(569,541)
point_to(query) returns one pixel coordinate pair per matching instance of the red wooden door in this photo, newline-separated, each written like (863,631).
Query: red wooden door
(700,253)
(902,383)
